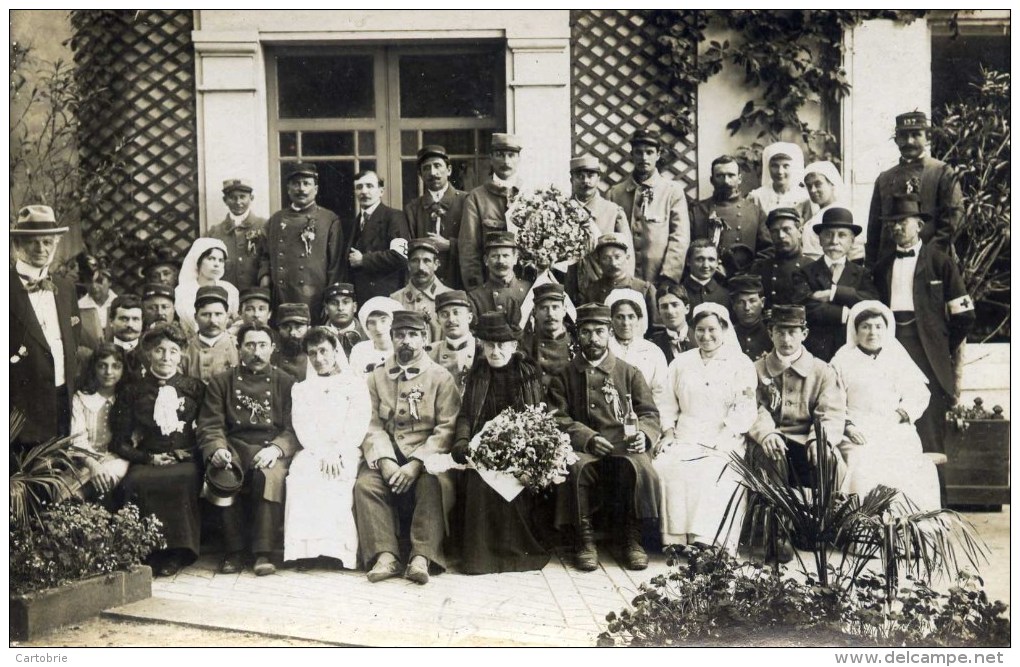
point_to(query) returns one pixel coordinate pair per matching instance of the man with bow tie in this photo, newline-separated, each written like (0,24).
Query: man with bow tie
(415,403)
(242,232)
(831,285)
(485,208)
(657,209)
(44,329)
(436,215)
(932,181)
(456,348)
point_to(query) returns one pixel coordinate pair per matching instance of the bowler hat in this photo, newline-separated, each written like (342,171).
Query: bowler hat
(837,217)
(454,297)
(912,120)
(249,293)
(36,220)
(586,163)
(493,327)
(221,485)
(408,319)
(422,244)
(788,316)
(152,290)
(505,142)
(594,312)
(207,293)
(338,289)
(293,312)
(611,241)
(302,169)
(906,206)
(232,184)
(500,240)
(745,284)
(432,150)
(549,291)
(646,137)
(780,214)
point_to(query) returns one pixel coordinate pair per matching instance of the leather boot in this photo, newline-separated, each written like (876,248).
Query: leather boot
(587,557)
(634,555)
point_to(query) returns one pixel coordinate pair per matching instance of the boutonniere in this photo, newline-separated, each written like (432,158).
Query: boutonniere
(913,186)
(308,235)
(252,236)
(436,213)
(716,224)
(771,397)
(413,400)
(613,398)
(22,353)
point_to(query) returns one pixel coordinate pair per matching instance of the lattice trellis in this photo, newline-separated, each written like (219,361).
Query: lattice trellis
(619,86)
(144,62)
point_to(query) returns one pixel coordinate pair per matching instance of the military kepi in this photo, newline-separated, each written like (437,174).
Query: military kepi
(153,290)
(505,142)
(549,292)
(293,312)
(296,169)
(454,297)
(249,293)
(231,184)
(594,312)
(645,137)
(337,290)
(745,284)
(433,150)
(586,163)
(912,120)
(211,293)
(788,316)
(500,240)
(777,215)
(408,319)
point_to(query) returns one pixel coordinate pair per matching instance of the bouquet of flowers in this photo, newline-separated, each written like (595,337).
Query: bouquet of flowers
(550,227)
(521,449)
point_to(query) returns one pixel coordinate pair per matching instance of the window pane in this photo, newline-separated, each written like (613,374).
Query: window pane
(327,143)
(470,173)
(366,143)
(444,86)
(326,86)
(409,175)
(456,142)
(409,143)
(288,144)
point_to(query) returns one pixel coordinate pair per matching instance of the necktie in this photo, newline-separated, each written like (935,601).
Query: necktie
(43,283)
(900,254)
(362,220)
(836,270)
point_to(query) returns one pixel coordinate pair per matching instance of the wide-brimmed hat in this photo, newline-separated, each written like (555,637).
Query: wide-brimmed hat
(36,220)
(408,319)
(505,142)
(836,217)
(788,316)
(594,312)
(912,120)
(207,293)
(232,184)
(221,485)
(906,206)
(494,327)
(454,297)
(293,312)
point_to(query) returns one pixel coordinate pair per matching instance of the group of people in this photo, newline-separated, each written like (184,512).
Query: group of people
(305,377)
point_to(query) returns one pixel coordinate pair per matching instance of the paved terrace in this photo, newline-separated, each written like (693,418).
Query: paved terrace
(557,606)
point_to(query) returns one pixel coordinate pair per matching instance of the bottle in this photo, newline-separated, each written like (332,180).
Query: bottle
(630,422)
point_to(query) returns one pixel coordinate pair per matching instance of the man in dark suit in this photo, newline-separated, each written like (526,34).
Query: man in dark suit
(377,251)
(700,282)
(436,214)
(242,232)
(44,330)
(933,311)
(829,286)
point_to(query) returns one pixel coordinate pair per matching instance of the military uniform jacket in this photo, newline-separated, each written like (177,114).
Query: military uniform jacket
(298,276)
(244,249)
(790,400)
(777,277)
(609,218)
(506,298)
(941,197)
(296,366)
(382,271)
(424,302)
(551,354)
(484,211)
(600,289)
(423,213)
(202,361)
(456,360)
(414,413)
(825,319)
(32,376)
(743,220)
(754,340)
(711,291)
(944,310)
(661,228)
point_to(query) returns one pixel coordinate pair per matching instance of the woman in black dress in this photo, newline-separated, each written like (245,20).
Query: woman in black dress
(153,428)
(497,536)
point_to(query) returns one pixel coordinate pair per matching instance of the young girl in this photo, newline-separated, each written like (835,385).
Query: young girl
(100,471)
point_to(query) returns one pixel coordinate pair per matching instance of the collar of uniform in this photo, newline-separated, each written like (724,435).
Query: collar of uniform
(429,291)
(244,371)
(563,334)
(608,363)
(239,220)
(307,209)
(126,345)
(496,283)
(458,344)
(422,363)
(436,197)
(28,271)
(210,342)
(651,182)
(353,326)
(694,282)
(919,160)
(733,200)
(801,366)
(500,183)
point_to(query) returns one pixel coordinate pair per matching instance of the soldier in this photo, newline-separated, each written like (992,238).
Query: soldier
(456,349)
(777,273)
(255,305)
(213,349)
(612,252)
(157,304)
(419,294)
(377,250)
(304,243)
(437,214)
(341,307)
(292,320)
(673,335)
(934,183)
(551,344)
(161,266)
(502,290)
(700,282)
(657,209)
(748,301)
(485,208)
(728,217)
(242,232)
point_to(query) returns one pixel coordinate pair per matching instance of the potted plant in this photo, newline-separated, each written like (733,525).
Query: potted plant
(977,446)
(69,559)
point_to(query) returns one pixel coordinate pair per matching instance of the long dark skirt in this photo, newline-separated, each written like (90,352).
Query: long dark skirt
(498,536)
(171,493)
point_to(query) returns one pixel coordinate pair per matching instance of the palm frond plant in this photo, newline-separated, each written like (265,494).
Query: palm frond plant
(40,474)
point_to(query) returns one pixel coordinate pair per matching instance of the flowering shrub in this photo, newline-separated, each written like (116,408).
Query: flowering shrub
(526,444)
(70,541)
(550,227)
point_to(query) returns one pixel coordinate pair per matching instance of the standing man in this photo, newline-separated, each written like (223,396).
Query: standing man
(456,349)
(213,349)
(727,217)
(245,421)
(423,286)
(657,209)
(292,321)
(44,330)
(377,251)
(125,332)
(933,312)
(157,304)
(414,410)
(585,175)
(932,181)
(242,232)
(485,208)
(502,290)
(700,282)
(778,273)
(303,250)
(437,214)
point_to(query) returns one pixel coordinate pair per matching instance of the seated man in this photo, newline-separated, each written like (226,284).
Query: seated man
(292,320)
(245,421)
(213,349)
(456,349)
(341,308)
(551,344)
(414,410)
(593,399)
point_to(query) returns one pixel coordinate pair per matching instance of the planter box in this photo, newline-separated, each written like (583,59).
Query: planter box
(36,613)
(978,469)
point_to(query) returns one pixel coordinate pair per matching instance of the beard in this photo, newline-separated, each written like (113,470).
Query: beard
(290,346)
(593,351)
